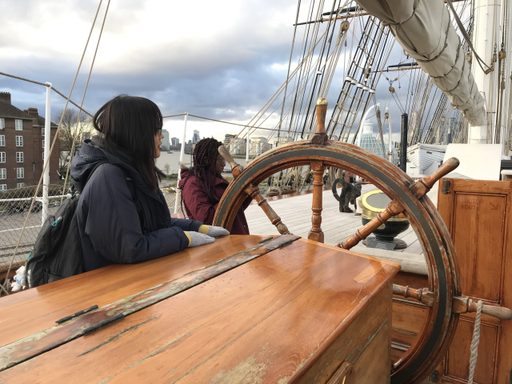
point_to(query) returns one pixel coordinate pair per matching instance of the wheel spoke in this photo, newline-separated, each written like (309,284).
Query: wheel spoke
(274,218)
(419,189)
(254,192)
(316,232)
(393,208)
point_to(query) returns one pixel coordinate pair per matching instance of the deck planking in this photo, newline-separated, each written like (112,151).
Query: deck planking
(295,212)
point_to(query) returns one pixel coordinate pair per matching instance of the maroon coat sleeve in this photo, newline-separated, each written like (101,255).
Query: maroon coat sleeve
(196,201)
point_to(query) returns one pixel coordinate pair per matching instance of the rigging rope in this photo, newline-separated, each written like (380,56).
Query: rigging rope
(305,59)
(289,65)
(46,164)
(324,57)
(64,187)
(479,60)
(44,85)
(308,69)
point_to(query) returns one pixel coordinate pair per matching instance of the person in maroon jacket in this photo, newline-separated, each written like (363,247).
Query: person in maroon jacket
(202,186)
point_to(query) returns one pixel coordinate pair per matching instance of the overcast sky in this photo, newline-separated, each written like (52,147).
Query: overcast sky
(220,59)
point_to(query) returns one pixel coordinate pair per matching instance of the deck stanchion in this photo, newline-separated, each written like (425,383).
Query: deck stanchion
(255,193)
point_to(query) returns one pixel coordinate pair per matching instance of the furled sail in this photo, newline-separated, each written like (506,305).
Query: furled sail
(423,28)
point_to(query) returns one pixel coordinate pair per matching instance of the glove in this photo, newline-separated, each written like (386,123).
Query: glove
(212,230)
(196,238)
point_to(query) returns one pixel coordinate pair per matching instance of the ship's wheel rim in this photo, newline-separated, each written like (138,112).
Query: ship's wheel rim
(424,218)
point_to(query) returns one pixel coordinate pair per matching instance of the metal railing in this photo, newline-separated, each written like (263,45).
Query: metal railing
(17,242)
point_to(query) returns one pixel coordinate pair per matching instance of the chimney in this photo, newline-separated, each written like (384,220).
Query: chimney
(5,97)
(32,112)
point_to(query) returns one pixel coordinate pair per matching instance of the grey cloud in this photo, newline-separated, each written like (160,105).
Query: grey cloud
(223,80)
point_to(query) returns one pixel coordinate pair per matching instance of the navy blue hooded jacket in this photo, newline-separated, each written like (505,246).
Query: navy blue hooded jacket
(120,218)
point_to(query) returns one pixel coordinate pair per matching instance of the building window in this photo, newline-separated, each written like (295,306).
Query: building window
(18,125)
(3,187)
(2,140)
(42,143)
(19,157)
(2,157)
(3,173)
(19,141)
(20,185)
(20,173)
(2,123)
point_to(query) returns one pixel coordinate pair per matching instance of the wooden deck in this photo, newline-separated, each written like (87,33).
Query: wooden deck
(295,212)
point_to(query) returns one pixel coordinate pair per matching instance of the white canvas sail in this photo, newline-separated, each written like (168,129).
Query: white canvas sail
(423,28)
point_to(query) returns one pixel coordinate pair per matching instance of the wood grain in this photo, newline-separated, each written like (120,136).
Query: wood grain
(479,217)
(93,318)
(264,321)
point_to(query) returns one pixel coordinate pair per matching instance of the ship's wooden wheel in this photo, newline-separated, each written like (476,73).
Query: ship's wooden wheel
(441,296)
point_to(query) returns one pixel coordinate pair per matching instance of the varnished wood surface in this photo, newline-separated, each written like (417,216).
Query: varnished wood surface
(364,345)
(478,214)
(268,320)
(35,309)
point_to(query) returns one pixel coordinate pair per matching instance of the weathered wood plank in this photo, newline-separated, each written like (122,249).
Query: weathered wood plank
(48,339)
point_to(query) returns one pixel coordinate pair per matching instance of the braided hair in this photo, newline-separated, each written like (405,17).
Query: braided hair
(205,165)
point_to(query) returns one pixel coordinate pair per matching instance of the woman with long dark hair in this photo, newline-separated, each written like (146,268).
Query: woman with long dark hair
(122,214)
(203,185)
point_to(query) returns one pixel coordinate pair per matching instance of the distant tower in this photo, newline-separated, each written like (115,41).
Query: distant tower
(195,137)
(175,143)
(165,141)
(227,139)
(368,141)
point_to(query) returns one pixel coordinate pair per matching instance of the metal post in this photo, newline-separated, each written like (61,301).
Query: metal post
(177,200)
(449,132)
(247,149)
(47,140)
(403,141)
(390,142)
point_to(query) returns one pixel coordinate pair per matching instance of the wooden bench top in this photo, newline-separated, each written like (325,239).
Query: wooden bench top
(266,319)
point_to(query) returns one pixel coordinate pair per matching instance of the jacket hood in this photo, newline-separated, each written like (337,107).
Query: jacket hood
(91,155)
(85,160)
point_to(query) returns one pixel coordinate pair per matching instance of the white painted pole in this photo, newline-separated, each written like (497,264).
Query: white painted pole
(247,141)
(47,141)
(485,40)
(177,200)
(506,117)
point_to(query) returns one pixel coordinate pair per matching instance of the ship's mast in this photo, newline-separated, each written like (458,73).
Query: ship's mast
(491,40)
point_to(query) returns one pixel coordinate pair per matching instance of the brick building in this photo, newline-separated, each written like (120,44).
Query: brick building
(21,146)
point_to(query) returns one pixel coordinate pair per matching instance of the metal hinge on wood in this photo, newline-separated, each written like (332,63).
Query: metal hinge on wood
(447,186)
